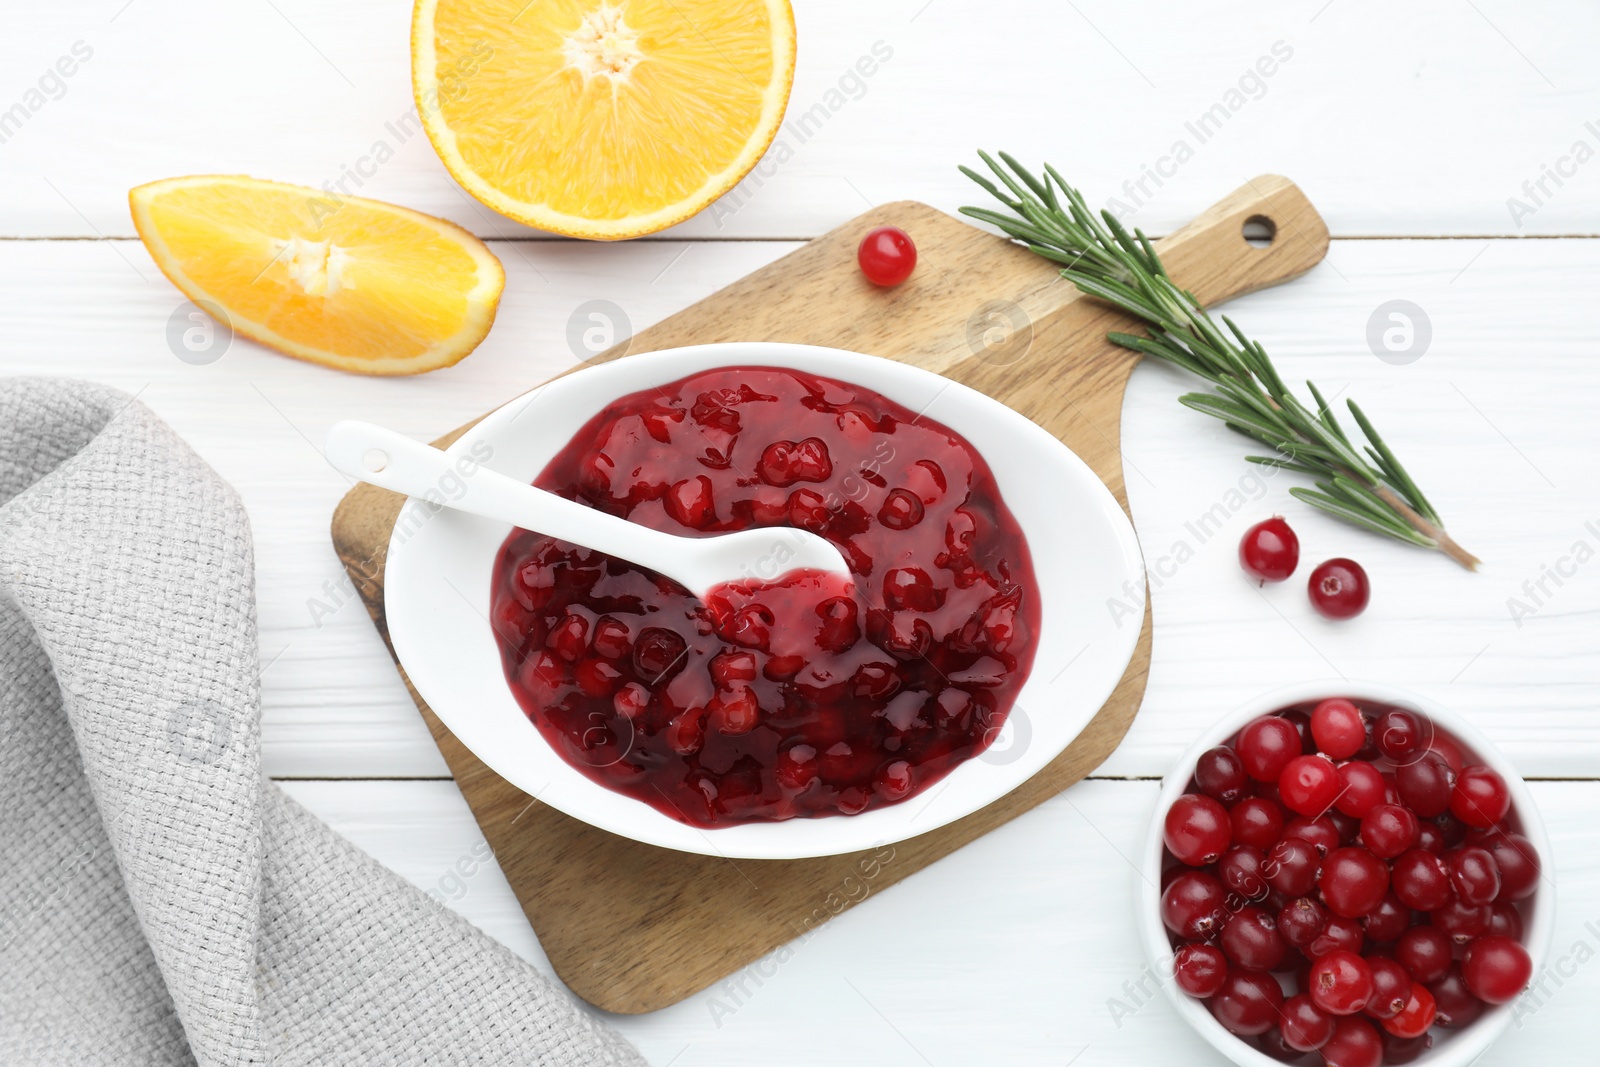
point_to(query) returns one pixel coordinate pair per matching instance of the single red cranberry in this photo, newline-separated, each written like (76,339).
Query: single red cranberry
(1361,788)
(887,256)
(1240,870)
(1339,589)
(1425,784)
(1199,969)
(1339,728)
(1414,1019)
(1305,1026)
(1219,774)
(1505,920)
(1480,798)
(1388,830)
(1400,734)
(1391,988)
(1291,866)
(1388,921)
(1320,832)
(1355,1043)
(1194,905)
(1301,921)
(610,637)
(1309,785)
(1340,934)
(1248,1003)
(1425,952)
(1269,550)
(1518,863)
(1456,1005)
(1256,821)
(1197,829)
(1266,746)
(1429,837)
(1460,920)
(1251,941)
(796,767)
(1474,874)
(1449,749)
(1341,982)
(1421,880)
(1496,969)
(1353,882)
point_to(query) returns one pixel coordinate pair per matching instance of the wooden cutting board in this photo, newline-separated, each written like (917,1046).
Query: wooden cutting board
(631,927)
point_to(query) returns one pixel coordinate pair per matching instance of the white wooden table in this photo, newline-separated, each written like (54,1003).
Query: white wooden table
(1436,137)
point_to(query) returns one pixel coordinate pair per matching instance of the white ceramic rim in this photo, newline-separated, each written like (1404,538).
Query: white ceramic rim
(1456,1049)
(1072,687)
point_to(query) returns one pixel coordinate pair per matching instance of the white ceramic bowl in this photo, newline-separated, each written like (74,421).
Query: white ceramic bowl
(1451,1048)
(1085,557)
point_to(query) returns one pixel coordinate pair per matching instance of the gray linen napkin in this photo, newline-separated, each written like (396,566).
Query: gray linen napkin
(160,901)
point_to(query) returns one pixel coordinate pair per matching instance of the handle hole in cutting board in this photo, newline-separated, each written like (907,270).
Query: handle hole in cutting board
(375,460)
(1259,231)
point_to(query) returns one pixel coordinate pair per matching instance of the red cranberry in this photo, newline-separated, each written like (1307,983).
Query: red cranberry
(1309,785)
(1355,1043)
(1301,921)
(894,780)
(569,638)
(1388,921)
(1429,837)
(1339,589)
(1505,920)
(786,462)
(886,256)
(1194,905)
(1414,1019)
(1197,829)
(1341,982)
(1256,821)
(1251,941)
(1338,728)
(1219,774)
(689,503)
(1361,788)
(610,637)
(1456,1005)
(1291,867)
(1388,830)
(1480,798)
(1240,870)
(1425,784)
(1391,988)
(656,652)
(1400,734)
(1269,550)
(1460,920)
(1518,863)
(1248,1003)
(1474,875)
(839,629)
(796,767)
(1353,882)
(1449,750)
(1496,969)
(901,510)
(1321,833)
(1305,1026)
(1266,746)
(1199,969)
(910,588)
(1425,952)
(1340,934)
(1421,880)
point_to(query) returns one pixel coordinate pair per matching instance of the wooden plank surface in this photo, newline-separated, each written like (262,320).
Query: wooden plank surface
(979,310)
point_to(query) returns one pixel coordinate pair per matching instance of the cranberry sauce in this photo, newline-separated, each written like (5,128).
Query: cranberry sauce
(806,696)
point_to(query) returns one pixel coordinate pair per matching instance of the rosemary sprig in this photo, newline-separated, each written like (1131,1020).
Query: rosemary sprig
(1363,484)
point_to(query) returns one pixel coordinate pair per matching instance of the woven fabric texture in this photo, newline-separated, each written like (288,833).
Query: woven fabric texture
(160,901)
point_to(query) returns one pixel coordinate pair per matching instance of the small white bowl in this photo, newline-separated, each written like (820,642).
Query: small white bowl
(1451,1048)
(1085,557)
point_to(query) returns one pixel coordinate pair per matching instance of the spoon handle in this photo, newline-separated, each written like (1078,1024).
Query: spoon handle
(393,461)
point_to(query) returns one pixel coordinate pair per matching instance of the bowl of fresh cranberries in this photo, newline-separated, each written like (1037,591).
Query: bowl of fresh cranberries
(1346,874)
(784,714)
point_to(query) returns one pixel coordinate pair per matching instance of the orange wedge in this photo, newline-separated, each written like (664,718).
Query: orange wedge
(601,118)
(355,284)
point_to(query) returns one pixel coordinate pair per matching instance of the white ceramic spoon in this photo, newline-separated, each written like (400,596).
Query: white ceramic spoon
(393,461)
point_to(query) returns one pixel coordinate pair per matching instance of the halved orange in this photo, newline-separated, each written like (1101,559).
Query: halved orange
(601,118)
(350,283)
